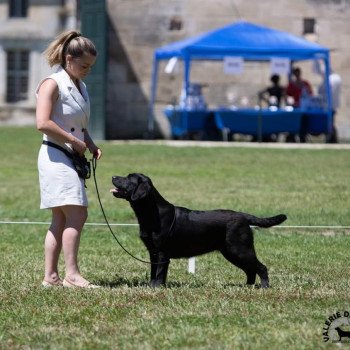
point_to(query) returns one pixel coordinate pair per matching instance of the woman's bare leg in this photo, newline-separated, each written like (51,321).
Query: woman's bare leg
(75,219)
(53,245)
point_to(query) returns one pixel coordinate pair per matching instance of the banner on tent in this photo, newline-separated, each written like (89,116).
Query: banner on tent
(279,65)
(233,65)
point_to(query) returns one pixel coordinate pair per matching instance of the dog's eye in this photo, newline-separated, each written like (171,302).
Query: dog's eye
(134,180)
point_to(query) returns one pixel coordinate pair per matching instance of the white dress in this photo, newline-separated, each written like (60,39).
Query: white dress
(59,182)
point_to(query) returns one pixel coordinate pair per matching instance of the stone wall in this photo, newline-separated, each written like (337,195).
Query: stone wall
(140,26)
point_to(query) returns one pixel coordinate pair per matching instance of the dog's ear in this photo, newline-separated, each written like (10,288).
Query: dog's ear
(141,191)
(143,178)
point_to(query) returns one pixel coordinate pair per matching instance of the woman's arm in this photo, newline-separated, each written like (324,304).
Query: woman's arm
(47,97)
(91,146)
(262,96)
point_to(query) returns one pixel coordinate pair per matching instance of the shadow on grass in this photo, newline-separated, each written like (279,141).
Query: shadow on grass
(135,282)
(122,281)
(118,282)
(241,285)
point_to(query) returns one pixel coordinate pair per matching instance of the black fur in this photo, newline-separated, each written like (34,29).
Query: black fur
(176,232)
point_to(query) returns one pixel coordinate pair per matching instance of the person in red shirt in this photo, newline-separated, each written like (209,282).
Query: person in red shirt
(297,87)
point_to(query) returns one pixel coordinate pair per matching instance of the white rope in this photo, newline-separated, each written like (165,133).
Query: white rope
(311,226)
(48,223)
(191,261)
(336,227)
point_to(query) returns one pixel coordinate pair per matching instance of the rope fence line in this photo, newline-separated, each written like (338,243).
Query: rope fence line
(335,227)
(191,268)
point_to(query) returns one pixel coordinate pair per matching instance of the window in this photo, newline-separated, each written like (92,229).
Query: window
(309,25)
(17,75)
(175,23)
(18,8)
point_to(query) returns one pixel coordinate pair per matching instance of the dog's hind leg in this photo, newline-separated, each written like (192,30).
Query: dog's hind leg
(239,248)
(263,274)
(247,265)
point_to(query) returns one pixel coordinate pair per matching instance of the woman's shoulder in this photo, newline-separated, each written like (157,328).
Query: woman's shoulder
(59,75)
(58,80)
(48,84)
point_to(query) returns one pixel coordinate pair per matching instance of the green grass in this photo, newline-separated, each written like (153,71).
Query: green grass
(212,309)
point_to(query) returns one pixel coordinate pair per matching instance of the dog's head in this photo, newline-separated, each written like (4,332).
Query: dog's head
(132,187)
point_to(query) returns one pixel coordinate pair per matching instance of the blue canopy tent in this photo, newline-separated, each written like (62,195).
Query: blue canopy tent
(249,41)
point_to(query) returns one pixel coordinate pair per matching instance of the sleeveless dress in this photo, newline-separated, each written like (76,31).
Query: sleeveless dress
(59,182)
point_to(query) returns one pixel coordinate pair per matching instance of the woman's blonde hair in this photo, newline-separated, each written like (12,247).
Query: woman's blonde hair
(68,43)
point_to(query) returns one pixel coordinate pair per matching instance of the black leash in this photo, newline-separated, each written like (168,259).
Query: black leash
(54,145)
(94,166)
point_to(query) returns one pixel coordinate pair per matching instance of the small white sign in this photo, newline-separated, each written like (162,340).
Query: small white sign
(279,65)
(192,265)
(171,67)
(233,65)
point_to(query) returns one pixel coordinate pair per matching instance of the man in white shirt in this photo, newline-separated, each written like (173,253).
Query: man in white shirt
(335,86)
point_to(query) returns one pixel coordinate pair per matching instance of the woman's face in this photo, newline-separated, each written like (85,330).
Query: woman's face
(79,67)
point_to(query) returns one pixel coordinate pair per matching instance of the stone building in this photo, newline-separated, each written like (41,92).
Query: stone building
(135,28)
(26,27)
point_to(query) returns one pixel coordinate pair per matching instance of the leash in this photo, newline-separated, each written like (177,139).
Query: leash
(94,166)
(54,145)
(83,170)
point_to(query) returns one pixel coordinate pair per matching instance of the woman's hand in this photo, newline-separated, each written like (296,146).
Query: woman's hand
(97,153)
(94,150)
(79,146)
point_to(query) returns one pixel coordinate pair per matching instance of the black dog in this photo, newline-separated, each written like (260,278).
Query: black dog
(342,333)
(175,232)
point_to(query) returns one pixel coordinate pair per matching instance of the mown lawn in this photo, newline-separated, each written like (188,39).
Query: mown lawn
(211,309)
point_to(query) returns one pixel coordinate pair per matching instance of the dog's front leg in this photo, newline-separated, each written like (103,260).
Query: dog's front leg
(153,254)
(162,270)
(154,265)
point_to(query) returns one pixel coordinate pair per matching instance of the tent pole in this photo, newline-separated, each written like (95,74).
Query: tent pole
(327,73)
(153,98)
(186,85)
(186,74)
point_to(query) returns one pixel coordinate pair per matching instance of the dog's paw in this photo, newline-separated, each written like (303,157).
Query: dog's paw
(156,284)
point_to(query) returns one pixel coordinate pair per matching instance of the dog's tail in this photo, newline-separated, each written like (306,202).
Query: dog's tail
(265,222)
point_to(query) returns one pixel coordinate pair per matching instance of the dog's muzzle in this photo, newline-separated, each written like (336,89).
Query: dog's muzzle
(119,193)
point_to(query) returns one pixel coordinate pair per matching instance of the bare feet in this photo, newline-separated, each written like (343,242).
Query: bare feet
(52,281)
(78,282)
(48,284)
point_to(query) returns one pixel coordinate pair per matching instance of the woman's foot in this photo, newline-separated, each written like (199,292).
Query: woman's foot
(78,282)
(51,284)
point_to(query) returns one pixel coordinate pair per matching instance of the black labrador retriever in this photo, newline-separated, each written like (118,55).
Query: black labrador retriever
(176,232)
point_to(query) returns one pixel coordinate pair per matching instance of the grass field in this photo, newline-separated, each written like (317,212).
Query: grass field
(212,309)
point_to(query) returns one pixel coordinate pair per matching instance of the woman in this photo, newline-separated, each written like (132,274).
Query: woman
(62,115)
(275,90)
